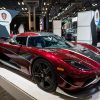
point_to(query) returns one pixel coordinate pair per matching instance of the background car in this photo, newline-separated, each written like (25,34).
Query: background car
(51,61)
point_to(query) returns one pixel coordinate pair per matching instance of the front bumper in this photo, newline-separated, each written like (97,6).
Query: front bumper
(96,80)
(81,84)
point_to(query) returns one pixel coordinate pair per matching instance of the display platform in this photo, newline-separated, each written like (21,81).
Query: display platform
(23,89)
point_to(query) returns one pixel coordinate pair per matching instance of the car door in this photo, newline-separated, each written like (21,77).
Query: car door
(22,52)
(9,50)
(13,51)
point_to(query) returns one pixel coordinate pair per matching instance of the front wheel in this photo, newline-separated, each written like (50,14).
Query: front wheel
(44,75)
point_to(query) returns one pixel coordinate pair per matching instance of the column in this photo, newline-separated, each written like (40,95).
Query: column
(34,19)
(29,17)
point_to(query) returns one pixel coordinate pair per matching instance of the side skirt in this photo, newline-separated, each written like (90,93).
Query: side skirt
(22,69)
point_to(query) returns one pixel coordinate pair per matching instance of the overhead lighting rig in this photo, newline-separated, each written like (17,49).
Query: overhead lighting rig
(45,8)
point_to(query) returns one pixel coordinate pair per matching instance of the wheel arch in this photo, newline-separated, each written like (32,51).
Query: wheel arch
(39,57)
(52,68)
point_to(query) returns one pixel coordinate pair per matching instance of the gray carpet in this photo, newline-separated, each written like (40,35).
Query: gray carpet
(4,95)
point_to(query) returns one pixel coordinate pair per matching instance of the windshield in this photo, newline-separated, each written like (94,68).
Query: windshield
(47,42)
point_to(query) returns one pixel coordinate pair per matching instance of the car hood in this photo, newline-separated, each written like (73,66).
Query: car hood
(87,53)
(77,52)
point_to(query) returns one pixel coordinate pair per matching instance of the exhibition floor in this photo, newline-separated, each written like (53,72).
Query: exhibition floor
(19,85)
(5,95)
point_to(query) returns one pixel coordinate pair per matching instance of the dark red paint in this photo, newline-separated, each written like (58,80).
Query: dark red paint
(71,78)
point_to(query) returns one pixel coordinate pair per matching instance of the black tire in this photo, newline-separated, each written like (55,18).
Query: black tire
(44,75)
(4,57)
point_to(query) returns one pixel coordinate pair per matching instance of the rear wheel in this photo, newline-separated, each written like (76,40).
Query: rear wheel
(44,75)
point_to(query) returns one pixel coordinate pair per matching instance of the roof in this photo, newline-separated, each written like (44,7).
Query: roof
(26,34)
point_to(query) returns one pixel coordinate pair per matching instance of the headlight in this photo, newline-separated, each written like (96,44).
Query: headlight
(78,65)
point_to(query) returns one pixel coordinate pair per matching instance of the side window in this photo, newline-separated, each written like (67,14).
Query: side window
(21,40)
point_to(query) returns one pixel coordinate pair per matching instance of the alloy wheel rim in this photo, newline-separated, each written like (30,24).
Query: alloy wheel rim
(43,75)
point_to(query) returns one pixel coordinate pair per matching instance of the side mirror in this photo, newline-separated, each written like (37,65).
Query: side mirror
(12,42)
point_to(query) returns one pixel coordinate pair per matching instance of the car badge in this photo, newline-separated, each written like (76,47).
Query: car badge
(4,16)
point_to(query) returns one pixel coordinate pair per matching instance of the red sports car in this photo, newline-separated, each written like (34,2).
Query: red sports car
(51,61)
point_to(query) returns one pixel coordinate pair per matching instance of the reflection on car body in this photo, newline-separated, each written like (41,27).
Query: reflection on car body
(53,62)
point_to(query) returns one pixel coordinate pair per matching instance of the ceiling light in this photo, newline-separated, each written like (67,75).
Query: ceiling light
(66,8)
(18,3)
(94,4)
(22,8)
(44,3)
(22,3)
(58,14)
(25,8)
(46,8)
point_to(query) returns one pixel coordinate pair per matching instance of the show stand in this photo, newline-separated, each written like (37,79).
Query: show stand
(23,89)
